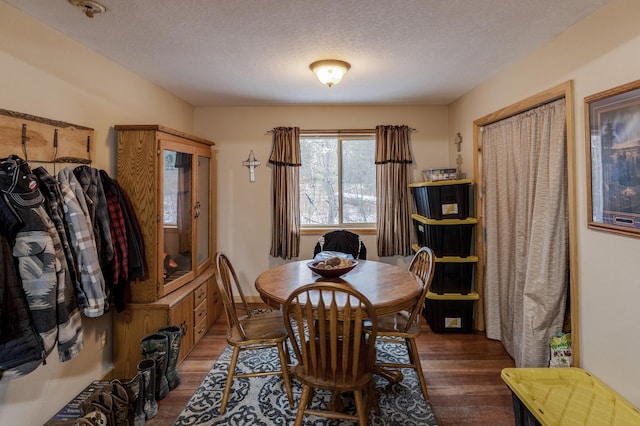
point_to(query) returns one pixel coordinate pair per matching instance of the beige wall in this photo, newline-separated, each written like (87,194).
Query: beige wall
(244,215)
(598,53)
(45,74)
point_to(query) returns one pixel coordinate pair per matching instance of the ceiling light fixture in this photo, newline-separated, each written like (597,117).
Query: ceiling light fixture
(89,7)
(330,71)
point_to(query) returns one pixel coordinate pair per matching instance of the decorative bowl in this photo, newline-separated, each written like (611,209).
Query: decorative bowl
(331,272)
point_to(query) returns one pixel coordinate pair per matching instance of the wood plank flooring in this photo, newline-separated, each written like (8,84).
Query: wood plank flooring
(462,373)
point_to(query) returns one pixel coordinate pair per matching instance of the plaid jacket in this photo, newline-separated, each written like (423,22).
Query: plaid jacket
(83,244)
(89,180)
(53,205)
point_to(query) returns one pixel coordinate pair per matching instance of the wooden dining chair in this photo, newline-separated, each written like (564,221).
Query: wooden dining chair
(249,329)
(325,325)
(404,327)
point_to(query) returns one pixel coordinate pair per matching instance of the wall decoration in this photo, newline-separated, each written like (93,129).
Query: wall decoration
(251,163)
(612,131)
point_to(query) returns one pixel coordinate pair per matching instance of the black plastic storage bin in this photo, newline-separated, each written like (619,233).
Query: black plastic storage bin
(447,199)
(522,415)
(447,237)
(454,274)
(450,313)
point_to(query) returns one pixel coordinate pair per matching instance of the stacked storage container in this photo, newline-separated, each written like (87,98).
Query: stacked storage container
(444,224)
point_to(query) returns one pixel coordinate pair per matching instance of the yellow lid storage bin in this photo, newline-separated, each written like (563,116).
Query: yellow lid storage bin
(454,274)
(447,199)
(566,396)
(450,312)
(446,237)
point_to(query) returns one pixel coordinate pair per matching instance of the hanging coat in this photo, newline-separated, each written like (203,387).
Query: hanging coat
(82,242)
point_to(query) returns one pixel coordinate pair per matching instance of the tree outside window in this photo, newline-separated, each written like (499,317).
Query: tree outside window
(337,181)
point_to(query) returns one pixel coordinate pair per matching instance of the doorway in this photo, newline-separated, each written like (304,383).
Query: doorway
(562,91)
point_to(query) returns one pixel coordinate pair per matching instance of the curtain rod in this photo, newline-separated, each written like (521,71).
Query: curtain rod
(334,132)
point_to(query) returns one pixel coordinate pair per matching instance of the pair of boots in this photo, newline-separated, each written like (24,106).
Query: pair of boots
(134,389)
(162,349)
(109,405)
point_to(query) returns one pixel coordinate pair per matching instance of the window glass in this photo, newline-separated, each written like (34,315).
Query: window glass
(337,181)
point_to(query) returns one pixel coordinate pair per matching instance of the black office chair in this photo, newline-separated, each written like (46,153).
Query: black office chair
(341,241)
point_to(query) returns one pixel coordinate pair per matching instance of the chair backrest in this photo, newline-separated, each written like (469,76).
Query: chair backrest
(423,265)
(228,284)
(344,241)
(324,321)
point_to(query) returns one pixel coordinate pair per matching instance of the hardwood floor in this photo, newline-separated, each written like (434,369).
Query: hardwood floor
(462,373)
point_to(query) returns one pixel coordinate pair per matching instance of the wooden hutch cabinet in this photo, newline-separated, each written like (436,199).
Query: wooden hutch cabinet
(168,177)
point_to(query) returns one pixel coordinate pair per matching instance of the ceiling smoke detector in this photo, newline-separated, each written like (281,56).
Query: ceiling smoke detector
(89,7)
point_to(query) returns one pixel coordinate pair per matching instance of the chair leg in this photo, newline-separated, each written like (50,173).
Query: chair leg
(361,407)
(285,372)
(230,374)
(407,343)
(415,357)
(304,399)
(372,397)
(335,402)
(287,352)
(312,394)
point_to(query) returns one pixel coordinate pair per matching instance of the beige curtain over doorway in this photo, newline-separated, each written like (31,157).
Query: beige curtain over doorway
(526,231)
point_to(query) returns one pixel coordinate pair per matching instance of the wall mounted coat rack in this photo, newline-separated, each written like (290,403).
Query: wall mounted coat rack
(42,140)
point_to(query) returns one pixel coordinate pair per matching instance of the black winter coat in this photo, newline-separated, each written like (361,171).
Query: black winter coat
(20,345)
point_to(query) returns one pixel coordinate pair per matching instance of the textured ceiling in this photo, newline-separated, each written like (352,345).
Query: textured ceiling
(257,52)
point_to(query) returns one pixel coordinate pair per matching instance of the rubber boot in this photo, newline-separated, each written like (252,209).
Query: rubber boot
(97,405)
(155,346)
(136,400)
(147,371)
(120,400)
(174,336)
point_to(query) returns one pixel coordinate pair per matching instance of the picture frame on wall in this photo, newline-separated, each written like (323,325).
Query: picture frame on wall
(612,120)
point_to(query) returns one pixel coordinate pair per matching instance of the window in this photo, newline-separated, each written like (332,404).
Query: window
(338,181)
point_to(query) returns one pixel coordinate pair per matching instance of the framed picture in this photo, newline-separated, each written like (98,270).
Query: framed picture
(613,159)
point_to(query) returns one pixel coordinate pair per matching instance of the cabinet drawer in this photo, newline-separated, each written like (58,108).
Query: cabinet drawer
(200,330)
(200,294)
(200,312)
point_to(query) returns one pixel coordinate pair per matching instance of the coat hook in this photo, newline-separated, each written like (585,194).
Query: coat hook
(55,149)
(24,140)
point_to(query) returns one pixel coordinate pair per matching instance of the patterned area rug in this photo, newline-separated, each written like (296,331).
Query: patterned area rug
(263,400)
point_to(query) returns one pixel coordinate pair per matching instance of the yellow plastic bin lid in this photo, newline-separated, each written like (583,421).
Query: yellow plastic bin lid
(439,222)
(472,295)
(449,259)
(457,259)
(569,396)
(441,183)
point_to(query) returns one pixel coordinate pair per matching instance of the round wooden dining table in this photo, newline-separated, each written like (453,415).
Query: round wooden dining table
(390,288)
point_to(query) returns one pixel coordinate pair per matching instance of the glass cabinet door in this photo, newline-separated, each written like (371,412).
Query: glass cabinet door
(203,209)
(177,217)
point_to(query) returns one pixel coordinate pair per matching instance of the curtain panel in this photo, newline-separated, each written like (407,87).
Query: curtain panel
(526,232)
(285,161)
(393,159)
